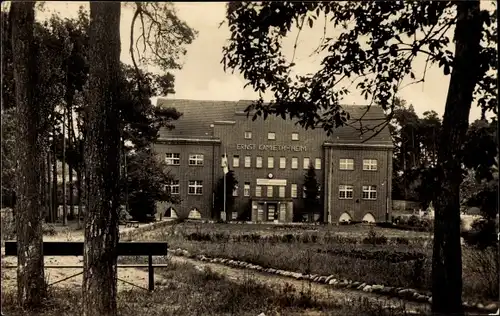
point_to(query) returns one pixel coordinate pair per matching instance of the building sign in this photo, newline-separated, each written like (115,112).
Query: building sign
(270,147)
(277,182)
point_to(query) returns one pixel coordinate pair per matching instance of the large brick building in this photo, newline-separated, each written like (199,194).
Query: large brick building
(270,158)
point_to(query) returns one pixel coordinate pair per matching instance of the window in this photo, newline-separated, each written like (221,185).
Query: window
(196,160)
(295,136)
(234,215)
(370,164)
(304,192)
(258,162)
(317,164)
(307,161)
(282,162)
(195,187)
(269,191)
(281,191)
(236,161)
(258,191)
(235,190)
(248,135)
(173,159)
(270,162)
(271,136)
(248,161)
(246,189)
(295,162)
(294,190)
(369,192)
(345,191)
(173,187)
(346,164)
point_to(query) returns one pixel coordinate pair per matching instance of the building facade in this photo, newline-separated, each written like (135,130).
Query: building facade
(270,158)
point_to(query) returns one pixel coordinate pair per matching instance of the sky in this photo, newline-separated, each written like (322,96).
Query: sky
(203,78)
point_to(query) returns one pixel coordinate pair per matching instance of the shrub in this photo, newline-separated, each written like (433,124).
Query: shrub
(482,234)
(48,229)
(374,238)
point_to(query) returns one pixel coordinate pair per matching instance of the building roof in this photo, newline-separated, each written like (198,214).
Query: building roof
(198,115)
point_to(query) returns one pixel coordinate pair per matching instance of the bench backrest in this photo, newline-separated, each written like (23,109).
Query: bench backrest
(75,248)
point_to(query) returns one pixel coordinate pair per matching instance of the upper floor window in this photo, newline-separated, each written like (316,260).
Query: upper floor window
(196,160)
(173,159)
(173,187)
(293,192)
(248,161)
(195,187)
(248,135)
(258,191)
(295,162)
(370,164)
(282,162)
(271,136)
(281,191)
(270,162)
(235,190)
(269,191)
(307,161)
(345,191)
(369,192)
(258,162)
(295,136)
(236,161)
(346,164)
(246,189)
(317,163)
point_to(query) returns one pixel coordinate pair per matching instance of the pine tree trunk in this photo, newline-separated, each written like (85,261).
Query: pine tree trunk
(30,275)
(49,185)
(55,197)
(70,166)
(80,197)
(102,161)
(63,170)
(447,252)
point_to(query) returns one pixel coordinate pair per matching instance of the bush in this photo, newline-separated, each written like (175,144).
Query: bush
(482,234)
(374,238)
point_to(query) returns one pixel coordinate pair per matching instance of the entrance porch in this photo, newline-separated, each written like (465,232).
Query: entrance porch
(272,211)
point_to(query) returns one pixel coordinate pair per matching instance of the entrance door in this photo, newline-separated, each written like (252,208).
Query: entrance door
(260,212)
(271,212)
(282,212)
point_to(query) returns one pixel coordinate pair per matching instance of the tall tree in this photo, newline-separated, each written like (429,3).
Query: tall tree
(102,160)
(31,287)
(231,185)
(377,44)
(311,193)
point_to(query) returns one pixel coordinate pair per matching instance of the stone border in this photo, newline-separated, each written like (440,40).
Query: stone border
(399,292)
(131,232)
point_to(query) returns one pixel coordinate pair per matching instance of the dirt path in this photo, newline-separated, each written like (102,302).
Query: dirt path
(321,292)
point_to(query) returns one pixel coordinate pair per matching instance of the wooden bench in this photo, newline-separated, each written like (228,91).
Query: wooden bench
(57,248)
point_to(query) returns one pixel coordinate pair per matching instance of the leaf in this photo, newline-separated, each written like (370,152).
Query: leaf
(310,21)
(446,69)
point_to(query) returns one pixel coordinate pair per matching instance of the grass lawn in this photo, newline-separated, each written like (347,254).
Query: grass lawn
(355,252)
(191,291)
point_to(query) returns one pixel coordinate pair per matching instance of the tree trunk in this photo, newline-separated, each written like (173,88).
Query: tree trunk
(80,197)
(102,161)
(55,197)
(63,170)
(49,185)
(447,256)
(70,166)
(31,287)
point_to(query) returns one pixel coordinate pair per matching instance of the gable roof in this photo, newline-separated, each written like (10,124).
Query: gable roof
(198,115)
